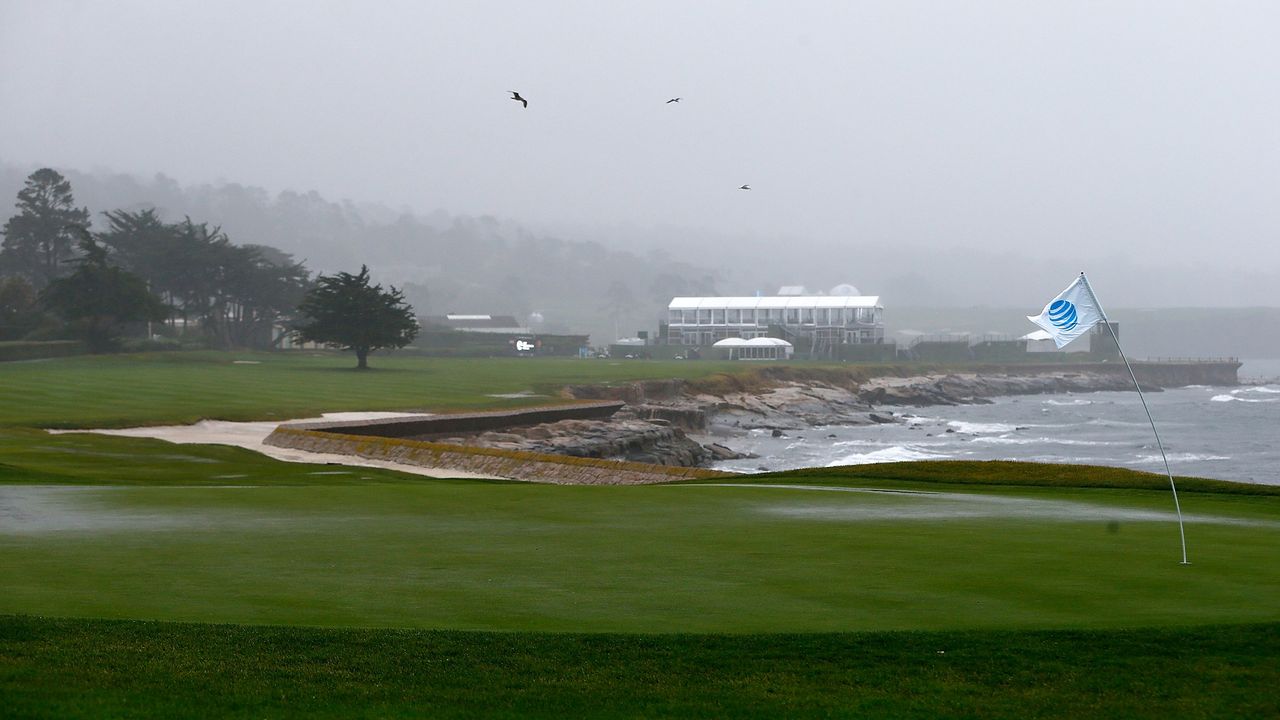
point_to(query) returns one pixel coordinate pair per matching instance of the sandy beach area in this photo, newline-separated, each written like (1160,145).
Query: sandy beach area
(249,435)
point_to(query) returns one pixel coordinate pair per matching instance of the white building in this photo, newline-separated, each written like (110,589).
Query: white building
(825,320)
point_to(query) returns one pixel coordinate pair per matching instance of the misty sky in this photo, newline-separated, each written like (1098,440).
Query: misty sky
(1071,130)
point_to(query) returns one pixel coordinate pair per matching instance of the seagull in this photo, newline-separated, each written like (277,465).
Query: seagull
(516,96)
(673,100)
(745,187)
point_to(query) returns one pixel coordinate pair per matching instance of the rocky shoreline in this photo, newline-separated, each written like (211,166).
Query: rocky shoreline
(660,417)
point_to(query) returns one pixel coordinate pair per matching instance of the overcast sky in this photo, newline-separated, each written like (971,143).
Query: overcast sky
(1073,130)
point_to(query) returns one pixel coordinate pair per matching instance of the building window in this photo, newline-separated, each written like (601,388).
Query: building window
(717,317)
(793,316)
(674,317)
(704,317)
(734,317)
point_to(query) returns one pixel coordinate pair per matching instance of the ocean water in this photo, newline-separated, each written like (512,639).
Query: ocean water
(1229,433)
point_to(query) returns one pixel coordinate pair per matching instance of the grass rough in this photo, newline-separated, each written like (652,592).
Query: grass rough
(57,668)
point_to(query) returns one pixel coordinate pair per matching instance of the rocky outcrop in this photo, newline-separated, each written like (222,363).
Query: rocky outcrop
(492,462)
(619,439)
(962,389)
(796,405)
(651,428)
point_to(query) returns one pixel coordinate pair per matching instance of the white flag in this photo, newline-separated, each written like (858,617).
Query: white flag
(1071,314)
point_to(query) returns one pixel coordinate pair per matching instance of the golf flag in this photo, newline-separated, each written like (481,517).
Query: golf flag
(1071,314)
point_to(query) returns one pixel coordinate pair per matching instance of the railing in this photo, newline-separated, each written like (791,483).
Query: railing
(957,339)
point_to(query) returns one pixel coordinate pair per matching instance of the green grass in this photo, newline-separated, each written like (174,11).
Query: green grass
(334,546)
(1006,472)
(102,669)
(522,600)
(175,388)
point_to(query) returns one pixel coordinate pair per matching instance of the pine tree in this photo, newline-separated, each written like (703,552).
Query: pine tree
(345,310)
(98,299)
(42,237)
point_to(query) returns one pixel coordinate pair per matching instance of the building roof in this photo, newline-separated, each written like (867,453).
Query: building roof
(476,323)
(773,303)
(753,342)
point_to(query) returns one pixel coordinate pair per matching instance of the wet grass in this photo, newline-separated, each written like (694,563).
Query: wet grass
(512,585)
(1006,472)
(102,669)
(180,388)
(348,549)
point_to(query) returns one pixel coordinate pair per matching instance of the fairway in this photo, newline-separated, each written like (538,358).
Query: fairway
(676,558)
(178,388)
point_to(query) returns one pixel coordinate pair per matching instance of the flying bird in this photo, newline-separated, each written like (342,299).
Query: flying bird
(673,100)
(516,96)
(745,187)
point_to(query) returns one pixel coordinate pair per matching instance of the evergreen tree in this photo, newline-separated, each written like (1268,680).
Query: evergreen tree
(345,310)
(98,299)
(18,310)
(41,238)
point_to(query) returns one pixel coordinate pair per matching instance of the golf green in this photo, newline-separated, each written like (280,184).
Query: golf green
(676,558)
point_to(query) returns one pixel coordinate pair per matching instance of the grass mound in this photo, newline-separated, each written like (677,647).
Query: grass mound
(1008,472)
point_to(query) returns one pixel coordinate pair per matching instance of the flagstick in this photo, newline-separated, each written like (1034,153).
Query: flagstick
(1181,531)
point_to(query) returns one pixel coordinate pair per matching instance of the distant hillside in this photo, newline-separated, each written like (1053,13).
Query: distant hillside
(445,263)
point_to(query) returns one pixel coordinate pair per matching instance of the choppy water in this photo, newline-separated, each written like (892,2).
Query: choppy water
(1217,432)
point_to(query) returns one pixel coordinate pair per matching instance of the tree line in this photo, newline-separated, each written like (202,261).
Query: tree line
(183,280)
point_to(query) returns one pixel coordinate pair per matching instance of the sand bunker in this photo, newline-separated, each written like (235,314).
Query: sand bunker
(249,435)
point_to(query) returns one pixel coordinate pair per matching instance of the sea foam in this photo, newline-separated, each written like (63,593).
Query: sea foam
(898,453)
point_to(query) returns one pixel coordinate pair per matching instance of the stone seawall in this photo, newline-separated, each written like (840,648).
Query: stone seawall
(511,464)
(466,423)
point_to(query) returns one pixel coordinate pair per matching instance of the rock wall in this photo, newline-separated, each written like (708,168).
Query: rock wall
(513,464)
(424,427)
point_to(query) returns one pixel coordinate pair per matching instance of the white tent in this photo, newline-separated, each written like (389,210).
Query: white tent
(761,348)
(1039,341)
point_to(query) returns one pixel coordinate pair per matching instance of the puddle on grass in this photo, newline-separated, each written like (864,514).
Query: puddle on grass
(101,453)
(927,505)
(30,510)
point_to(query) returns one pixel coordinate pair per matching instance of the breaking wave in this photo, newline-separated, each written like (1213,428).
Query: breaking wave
(1003,440)
(1177,458)
(897,453)
(976,428)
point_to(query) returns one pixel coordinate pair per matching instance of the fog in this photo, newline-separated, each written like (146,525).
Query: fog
(936,153)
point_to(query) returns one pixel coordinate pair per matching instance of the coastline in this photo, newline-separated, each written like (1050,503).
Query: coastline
(783,400)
